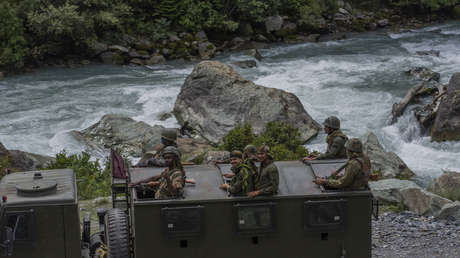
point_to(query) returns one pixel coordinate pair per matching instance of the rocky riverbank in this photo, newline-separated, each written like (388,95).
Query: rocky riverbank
(254,26)
(407,234)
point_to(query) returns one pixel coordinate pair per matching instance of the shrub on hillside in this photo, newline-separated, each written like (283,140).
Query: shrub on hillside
(283,139)
(92,180)
(13,46)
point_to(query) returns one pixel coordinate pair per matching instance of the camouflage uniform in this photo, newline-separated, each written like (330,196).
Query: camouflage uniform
(171,184)
(267,179)
(357,169)
(250,157)
(335,146)
(242,182)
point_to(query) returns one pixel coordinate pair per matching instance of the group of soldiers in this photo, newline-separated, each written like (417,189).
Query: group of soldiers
(248,179)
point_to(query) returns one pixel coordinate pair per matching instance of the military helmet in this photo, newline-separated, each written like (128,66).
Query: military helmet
(265,149)
(169,134)
(236,154)
(171,150)
(355,145)
(250,149)
(332,122)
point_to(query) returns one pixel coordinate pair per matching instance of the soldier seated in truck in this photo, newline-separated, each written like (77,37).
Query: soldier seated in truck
(267,178)
(242,181)
(335,141)
(154,157)
(357,169)
(169,184)
(249,158)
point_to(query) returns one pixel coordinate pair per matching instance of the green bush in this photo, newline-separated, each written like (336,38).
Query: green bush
(238,138)
(283,139)
(4,165)
(451,194)
(92,180)
(13,46)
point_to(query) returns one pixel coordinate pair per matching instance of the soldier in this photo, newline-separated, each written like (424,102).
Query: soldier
(249,158)
(170,183)
(357,169)
(335,141)
(153,157)
(242,181)
(268,177)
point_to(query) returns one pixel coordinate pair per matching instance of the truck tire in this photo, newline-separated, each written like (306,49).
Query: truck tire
(117,234)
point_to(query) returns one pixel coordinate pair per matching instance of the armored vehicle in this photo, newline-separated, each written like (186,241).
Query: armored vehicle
(302,220)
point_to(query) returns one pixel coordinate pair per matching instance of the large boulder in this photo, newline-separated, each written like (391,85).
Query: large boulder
(273,23)
(388,163)
(446,125)
(206,50)
(387,190)
(23,161)
(450,211)
(214,99)
(423,202)
(448,185)
(121,133)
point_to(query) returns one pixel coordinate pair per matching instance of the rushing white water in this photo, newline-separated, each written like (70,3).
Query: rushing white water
(357,79)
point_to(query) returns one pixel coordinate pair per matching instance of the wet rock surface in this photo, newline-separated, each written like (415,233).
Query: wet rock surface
(214,99)
(406,234)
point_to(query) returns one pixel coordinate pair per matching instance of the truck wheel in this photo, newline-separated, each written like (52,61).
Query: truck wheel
(117,234)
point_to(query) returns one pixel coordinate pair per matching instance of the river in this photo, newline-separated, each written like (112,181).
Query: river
(357,80)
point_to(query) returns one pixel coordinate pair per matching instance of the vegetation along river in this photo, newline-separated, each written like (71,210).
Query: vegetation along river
(357,79)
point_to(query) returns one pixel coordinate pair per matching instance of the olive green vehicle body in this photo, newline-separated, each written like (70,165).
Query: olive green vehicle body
(289,231)
(51,226)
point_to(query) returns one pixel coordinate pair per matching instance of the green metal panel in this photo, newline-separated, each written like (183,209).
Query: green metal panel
(219,237)
(289,239)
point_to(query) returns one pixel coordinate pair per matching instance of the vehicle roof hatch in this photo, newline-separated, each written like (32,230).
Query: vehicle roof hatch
(38,186)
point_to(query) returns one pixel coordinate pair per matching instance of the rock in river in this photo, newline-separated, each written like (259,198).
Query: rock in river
(214,99)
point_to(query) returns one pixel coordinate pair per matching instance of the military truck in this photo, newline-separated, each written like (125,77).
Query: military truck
(302,220)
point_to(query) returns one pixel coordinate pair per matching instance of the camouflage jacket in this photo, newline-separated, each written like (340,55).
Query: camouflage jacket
(267,179)
(335,146)
(171,184)
(242,182)
(356,174)
(250,163)
(153,157)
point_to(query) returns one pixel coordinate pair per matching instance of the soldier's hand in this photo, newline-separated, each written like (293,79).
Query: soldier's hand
(224,186)
(229,175)
(190,181)
(320,181)
(253,194)
(153,183)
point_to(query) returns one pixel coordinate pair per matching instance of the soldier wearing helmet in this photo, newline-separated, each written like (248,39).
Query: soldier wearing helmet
(242,181)
(153,157)
(249,159)
(267,178)
(357,169)
(170,183)
(335,141)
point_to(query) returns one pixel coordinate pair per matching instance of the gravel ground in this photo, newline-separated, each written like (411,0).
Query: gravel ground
(406,234)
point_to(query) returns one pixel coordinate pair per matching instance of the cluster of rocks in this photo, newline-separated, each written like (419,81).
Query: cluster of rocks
(407,234)
(421,201)
(212,101)
(141,51)
(22,161)
(436,106)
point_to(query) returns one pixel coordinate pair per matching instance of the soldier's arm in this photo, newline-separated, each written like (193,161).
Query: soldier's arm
(241,182)
(177,181)
(336,146)
(272,188)
(347,180)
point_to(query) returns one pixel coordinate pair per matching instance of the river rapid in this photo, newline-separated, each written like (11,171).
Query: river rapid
(357,80)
